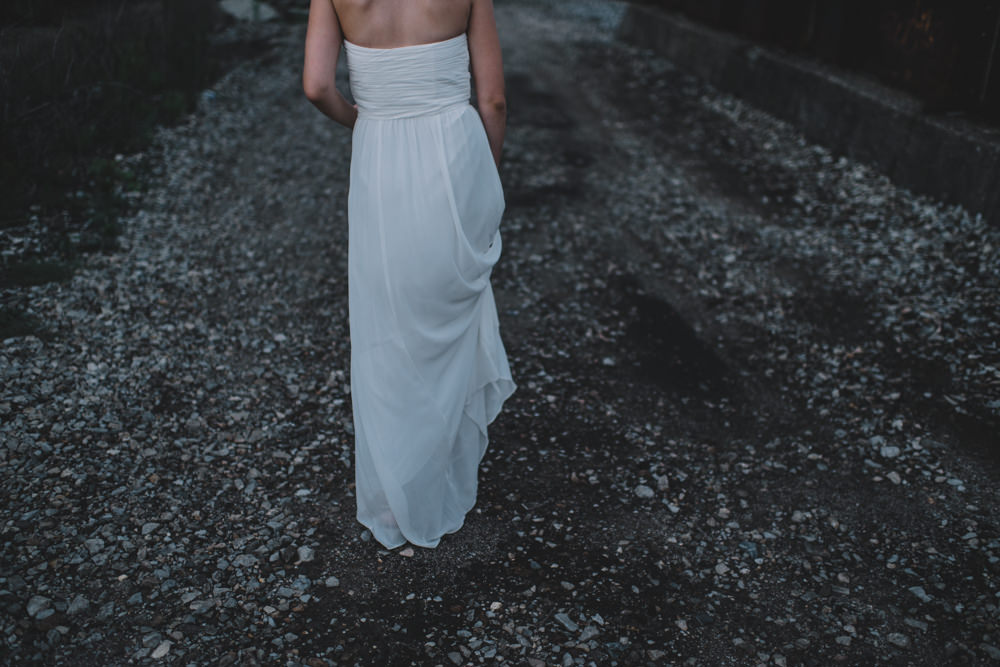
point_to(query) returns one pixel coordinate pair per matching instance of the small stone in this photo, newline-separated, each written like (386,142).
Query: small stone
(567,622)
(894,477)
(245,560)
(94,544)
(682,624)
(201,606)
(889,451)
(106,610)
(306,554)
(920,593)
(721,568)
(456,657)
(704,618)
(37,604)
(843,640)
(149,527)
(77,605)
(151,639)
(407,552)
(644,491)
(899,639)
(331,582)
(162,649)
(991,651)
(798,517)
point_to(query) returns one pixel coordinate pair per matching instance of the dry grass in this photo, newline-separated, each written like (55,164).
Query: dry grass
(81,84)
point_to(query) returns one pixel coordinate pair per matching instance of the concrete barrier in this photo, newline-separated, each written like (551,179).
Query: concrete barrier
(948,158)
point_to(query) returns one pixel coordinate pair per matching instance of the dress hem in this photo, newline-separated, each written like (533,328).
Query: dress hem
(491,412)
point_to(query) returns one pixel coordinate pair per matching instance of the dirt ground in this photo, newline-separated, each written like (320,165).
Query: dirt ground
(756,420)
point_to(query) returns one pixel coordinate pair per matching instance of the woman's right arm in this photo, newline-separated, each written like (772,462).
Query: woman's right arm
(323,40)
(487,71)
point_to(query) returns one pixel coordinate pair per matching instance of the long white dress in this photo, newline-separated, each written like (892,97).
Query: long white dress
(428,368)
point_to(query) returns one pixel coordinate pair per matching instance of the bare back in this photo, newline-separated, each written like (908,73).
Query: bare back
(388,24)
(393,23)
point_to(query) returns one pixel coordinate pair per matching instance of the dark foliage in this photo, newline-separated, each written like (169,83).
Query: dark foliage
(82,80)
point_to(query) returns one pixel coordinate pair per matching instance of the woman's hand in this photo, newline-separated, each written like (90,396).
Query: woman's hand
(319,73)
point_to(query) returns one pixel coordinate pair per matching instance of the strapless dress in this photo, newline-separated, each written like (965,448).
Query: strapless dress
(429,371)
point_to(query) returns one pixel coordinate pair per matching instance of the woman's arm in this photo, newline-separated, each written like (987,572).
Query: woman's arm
(323,40)
(487,72)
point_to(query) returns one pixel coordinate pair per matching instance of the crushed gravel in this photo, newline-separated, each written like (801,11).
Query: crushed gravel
(757,418)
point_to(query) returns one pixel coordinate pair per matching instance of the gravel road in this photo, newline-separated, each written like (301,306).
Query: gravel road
(757,418)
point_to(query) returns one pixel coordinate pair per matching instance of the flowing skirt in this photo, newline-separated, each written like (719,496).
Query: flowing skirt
(428,368)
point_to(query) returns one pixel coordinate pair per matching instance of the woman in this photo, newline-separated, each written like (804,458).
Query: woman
(428,368)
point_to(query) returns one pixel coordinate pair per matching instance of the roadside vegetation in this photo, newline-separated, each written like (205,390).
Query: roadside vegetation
(81,82)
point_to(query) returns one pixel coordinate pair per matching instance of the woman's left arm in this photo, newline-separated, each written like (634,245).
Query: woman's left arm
(323,40)
(486,62)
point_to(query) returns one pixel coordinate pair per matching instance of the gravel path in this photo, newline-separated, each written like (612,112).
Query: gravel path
(757,418)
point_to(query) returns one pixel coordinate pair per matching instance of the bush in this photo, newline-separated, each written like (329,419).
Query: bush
(88,78)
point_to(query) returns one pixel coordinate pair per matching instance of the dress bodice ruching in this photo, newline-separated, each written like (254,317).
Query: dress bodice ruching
(409,81)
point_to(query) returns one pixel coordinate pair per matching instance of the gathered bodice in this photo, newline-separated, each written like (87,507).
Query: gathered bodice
(409,81)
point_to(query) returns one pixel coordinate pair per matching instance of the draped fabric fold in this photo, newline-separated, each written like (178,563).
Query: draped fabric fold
(429,371)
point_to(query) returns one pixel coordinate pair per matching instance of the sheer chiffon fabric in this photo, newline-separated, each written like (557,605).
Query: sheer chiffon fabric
(428,368)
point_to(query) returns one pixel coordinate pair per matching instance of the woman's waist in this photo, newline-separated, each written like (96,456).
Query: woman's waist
(404,95)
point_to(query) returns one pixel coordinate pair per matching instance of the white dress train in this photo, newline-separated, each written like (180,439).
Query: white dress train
(428,368)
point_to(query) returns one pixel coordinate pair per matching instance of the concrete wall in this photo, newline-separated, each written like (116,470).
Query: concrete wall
(946,158)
